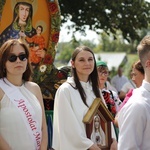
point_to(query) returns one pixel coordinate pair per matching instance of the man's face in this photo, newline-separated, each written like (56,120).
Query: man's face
(23,12)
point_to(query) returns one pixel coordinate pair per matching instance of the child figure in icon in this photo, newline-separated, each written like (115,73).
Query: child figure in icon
(98,135)
(37,45)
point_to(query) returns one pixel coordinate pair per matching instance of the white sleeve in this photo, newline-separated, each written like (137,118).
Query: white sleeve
(68,134)
(131,120)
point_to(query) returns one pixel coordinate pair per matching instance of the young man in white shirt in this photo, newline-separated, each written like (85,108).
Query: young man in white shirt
(134,117)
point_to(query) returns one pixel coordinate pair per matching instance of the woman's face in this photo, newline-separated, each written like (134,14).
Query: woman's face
(96,122)
(23,12)
(84,64)
(137,77)
(102,75)
(17,66)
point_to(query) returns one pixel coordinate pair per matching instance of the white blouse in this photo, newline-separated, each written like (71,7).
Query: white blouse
(12,127)
(68,129)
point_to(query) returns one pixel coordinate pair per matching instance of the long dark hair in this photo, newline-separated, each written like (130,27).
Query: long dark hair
(4,54)
(93,77)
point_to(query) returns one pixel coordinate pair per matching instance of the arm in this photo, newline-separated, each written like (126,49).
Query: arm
(116,120)
(3,144)
(113,145)
(94,147)
(131,120)
(68,128)
(122,95)
(124,90)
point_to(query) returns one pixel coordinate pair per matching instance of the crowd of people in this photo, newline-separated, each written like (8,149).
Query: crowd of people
(22,116)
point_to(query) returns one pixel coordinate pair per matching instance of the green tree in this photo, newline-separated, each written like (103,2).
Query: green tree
(108,44)
(125,15)
(88,43)
(65,50)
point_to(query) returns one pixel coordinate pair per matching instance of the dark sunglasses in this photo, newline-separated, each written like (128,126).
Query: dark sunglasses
(13,58)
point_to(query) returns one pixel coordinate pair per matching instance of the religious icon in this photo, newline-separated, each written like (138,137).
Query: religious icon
(98,124)
(37,23)
(97,135)
(21,21)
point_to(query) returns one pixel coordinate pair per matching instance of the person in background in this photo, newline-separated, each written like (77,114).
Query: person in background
(126,87)
(137,77)
(22,115)
(72,100)
(134,117)
(109,97)
(110,87)
(119,80)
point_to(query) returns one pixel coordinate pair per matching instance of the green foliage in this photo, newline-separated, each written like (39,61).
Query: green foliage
(65,51)
(108,44)
(88,43)
(110,16)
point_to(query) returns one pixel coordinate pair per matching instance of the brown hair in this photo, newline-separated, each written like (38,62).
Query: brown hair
(144,49)
(138,66)
(4,54)
(93,77)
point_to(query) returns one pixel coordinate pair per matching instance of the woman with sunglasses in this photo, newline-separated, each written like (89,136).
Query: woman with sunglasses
(22,115)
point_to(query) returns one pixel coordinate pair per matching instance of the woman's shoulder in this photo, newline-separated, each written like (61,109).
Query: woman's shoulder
(32,86)
(66,86)
(68,83)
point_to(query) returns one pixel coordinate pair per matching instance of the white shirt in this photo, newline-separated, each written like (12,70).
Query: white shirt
(12,126)
(118,82)
(134,121)
(68,128)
